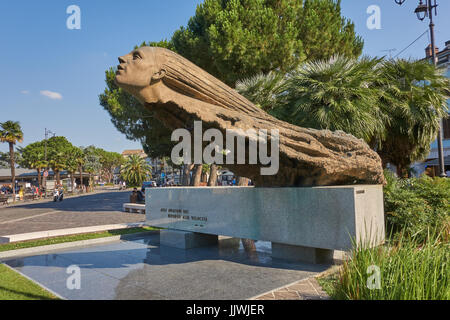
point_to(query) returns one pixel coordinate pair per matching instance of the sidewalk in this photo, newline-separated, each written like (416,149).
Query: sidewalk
(307,289)
(50,198)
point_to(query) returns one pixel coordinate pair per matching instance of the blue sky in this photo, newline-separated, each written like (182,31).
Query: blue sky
(52,76)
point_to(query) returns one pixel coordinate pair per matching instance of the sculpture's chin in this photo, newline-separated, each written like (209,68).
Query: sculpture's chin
(118,81)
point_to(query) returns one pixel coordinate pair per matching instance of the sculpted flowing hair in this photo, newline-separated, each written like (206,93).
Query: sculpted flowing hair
(186,78)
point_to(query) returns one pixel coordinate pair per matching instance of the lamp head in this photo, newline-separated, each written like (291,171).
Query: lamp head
(421,11)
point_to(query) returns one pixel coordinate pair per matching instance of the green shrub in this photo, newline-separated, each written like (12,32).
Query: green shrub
(415,206)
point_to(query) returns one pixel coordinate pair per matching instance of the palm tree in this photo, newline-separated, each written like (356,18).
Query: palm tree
(135,170)
(72,163)
(264,90)
(337,94)
(394,105)
(11,132)
(414,96)
(58,163)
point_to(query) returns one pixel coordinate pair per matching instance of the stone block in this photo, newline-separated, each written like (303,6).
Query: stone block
(301,254)
(186,240)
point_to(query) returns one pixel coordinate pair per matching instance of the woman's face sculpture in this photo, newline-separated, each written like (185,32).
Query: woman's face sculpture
(138,69)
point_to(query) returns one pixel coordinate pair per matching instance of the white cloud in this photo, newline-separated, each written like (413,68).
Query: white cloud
(24,92)
(51,94)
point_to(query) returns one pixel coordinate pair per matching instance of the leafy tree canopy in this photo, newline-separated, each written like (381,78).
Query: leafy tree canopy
(236,39)
(33,156)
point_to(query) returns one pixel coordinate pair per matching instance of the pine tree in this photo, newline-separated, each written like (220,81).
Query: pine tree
(236,39)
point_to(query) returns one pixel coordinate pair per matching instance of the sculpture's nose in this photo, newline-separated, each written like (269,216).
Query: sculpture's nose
(122,60)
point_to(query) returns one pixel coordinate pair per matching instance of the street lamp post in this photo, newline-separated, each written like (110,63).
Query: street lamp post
(422,11)
(47,132)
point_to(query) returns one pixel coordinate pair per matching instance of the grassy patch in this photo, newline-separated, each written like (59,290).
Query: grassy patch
(71,238)
(328,283)
(15,287)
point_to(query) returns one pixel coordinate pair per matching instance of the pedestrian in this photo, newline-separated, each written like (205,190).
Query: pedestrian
(140,196)
(133,196)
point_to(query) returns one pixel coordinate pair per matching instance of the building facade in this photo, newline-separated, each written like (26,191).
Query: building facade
(430,164)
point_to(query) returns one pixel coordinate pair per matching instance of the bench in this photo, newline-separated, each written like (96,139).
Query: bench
(4,199)
(134,208)
(30,196)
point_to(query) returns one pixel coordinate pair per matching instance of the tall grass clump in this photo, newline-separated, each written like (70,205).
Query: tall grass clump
(409,270)
(414,264)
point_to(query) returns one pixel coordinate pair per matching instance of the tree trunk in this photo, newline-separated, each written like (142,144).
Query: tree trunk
(13,170)
(242,181)
(72,180)
(196,178)
(56,175)
(44,182)
(186,174)
(81,178)
(212,175)
(204,177)
(39,177)
(401,171)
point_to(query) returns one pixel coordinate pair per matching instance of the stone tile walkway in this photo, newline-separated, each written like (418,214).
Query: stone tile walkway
(81,211)
(307,289)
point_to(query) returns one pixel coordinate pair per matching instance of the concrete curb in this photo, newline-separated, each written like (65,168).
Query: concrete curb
(66,232)
(65,245)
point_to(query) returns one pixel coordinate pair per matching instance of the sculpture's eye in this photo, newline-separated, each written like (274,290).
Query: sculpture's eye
(136,56)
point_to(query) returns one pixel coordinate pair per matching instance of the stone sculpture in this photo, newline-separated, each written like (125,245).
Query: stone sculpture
(179,93)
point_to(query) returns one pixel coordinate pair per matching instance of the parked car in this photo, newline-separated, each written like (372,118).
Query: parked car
(148,184)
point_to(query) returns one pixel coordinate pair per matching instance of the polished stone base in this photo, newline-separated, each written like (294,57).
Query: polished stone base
(301,254)
(334,217)
(186,240)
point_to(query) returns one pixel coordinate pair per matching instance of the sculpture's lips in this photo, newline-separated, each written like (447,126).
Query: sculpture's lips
(120,68)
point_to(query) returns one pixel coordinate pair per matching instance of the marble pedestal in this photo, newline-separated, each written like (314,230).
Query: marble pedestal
(301,222)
